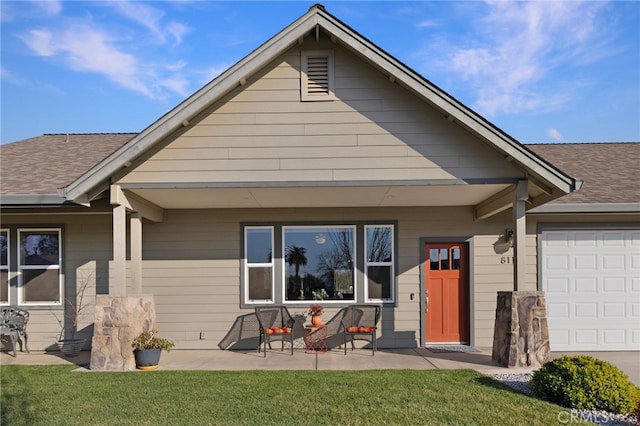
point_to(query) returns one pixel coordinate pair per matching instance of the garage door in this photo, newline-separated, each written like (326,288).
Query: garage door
(592,284)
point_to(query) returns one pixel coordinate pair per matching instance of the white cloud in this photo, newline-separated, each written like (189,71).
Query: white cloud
(427,23)
(555,135)
(178,31)
(40,42)
(87,49)
(10,77)
(49,8)
(151,19)
(518,46)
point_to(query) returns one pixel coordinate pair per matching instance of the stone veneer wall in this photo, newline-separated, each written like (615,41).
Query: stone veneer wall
(521,333)
(118,320)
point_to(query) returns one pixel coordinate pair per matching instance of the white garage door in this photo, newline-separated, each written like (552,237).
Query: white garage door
(592,284)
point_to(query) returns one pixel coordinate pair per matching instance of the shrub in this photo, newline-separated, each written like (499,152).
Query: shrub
(587,383)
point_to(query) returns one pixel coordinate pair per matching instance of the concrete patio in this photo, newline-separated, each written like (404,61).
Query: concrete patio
(360,359)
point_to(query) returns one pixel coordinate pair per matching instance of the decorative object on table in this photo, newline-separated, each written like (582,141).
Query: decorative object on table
(315,312)
(13,323)
(147,348)
(274,323)
(360,322)
(69,345)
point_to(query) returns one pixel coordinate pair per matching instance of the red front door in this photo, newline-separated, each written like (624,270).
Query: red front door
(446,293)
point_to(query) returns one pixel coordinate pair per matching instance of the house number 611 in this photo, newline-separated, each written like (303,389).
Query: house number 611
(506,260)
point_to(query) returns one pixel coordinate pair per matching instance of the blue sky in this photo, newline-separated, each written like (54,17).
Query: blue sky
(541,71)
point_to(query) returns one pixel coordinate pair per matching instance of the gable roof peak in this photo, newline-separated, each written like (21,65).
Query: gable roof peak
(317,17)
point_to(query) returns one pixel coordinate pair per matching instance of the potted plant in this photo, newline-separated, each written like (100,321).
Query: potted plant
(147,348)
(68,344)
(315,311)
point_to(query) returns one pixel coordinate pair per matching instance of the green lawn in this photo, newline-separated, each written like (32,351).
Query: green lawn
(55,395)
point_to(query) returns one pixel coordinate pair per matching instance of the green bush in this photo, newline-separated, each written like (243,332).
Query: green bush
(587,383)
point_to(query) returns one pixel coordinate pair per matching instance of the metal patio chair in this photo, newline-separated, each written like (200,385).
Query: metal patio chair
(14,324)
(275,323)
(360,322)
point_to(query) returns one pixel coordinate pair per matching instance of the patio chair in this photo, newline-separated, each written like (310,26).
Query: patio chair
(14,324)
(275,323)
(360,322)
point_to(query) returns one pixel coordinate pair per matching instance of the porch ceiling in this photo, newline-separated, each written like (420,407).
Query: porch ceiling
(341,196)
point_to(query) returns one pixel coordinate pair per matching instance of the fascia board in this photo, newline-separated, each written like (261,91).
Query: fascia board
(11,200)
(189,108)
(446,103)
(574,208)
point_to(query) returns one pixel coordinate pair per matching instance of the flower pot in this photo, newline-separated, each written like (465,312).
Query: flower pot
(71,347)
(316,320)
(147,359)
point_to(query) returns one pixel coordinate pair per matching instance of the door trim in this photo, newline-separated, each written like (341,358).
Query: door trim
(468,241)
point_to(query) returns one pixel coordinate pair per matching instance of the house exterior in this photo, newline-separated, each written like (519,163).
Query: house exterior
(317,167)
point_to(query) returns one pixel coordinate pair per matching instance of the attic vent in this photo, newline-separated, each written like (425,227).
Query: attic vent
(317,75)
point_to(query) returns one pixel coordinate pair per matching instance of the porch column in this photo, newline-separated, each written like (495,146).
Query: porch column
(118,282)
(521,332)
(136,252)
(519,235)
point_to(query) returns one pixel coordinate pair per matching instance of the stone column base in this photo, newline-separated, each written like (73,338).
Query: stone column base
(118,320)
(521,333)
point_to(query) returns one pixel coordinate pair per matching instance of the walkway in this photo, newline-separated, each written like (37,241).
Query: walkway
(360,359)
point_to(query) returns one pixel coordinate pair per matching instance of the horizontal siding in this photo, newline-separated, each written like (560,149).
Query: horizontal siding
(263,132)
(197,283)
(490,275)
(191,266)
(86,257)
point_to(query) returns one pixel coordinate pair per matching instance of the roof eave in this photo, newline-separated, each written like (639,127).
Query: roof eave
(586,208)
(31,200)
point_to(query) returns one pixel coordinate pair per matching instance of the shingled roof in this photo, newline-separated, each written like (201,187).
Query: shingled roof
(610,171)
(42,164)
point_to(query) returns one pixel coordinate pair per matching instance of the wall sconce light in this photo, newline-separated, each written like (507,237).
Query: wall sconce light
(320,239)
(508,236)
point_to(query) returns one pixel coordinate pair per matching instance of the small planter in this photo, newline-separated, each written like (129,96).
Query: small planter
(71,347)
(147,359)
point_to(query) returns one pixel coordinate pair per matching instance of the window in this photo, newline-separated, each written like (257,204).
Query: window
(39,259)
(259,264)
(332,264)
(379,262)
(4,267)
(319,263)
(316,77)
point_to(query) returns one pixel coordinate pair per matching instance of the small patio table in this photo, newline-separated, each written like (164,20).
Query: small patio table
(315,338)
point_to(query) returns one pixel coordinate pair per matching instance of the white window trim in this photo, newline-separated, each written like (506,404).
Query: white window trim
(6,267)
(305,95)
(57,267)
(367,264)
(353,272)
(247,266)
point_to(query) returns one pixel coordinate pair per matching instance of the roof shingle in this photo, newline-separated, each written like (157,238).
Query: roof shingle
(42,164)
(610,171)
